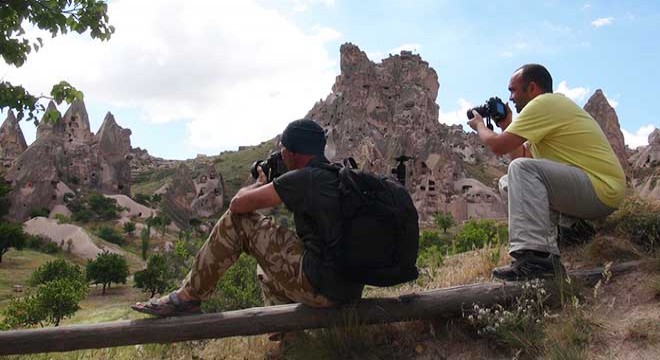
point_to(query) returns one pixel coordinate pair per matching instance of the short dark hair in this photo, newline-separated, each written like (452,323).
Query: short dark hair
(538,74)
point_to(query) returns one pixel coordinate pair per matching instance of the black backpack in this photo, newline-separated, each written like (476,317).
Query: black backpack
(380,228)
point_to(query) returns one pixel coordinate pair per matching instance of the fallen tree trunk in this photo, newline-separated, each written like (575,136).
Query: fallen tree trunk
(424,305)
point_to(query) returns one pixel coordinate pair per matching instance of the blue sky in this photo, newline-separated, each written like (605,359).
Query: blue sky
(205,76)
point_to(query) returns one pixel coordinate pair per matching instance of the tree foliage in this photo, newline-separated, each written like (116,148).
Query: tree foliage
(56,269)
(155,278)
(107,268)
(57,17)
(11,235)
(476,234)
(93,207)
(129,227)
(444,220)
(60,287)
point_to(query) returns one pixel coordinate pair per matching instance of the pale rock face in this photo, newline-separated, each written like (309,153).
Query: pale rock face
(601,110)
(377,112)
(12,141)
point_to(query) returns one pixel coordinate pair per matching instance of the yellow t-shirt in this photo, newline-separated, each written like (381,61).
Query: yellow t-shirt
(559,130)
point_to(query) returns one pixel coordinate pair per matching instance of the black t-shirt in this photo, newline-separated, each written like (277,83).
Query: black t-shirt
(312,194)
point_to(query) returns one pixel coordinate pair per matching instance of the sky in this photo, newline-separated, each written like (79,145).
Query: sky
(204,76)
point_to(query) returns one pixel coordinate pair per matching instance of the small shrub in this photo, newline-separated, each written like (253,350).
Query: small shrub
(476,234)
(62,219)
(44,212)
(639,220)
(94,206)
(430,257)
(42,244)
(108,233)
(11,235)
(129,227)
(238,288)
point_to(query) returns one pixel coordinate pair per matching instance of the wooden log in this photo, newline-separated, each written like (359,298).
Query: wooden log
(424,305)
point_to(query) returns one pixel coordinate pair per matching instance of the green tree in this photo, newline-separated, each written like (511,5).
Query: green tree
(57,17)
(55,270)
(444,220)
(60,287)
(155,277)
(144,237)
(129,227)
(476,234)
(238,288)
(11,235)
(107,268)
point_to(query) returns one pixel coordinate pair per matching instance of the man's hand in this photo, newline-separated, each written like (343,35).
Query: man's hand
(476,120)
(504,123)
(261,180)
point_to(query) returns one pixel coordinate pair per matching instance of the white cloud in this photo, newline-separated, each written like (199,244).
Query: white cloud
(456,117)
(235,71)
(602,22)
(613,103)
(639,138)
(304,5)
(577,94)
(586,7)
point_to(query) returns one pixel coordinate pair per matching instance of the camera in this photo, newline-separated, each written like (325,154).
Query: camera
(494,109)
(273,166)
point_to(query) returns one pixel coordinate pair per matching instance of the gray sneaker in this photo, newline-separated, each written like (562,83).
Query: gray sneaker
(531,265)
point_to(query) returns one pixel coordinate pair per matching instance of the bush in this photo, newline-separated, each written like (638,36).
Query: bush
(238,288)
(639,220)
(476,234)
(55,270)
(129,227)
(42,244)
(430,257)
(39,212)
(107,268)
(94,206)
(108,233)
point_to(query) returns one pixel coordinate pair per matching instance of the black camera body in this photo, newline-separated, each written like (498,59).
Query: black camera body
(273,166)
(400,169)
(494,109)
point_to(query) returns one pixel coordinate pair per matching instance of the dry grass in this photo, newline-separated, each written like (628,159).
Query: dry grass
(16,269)
(644,331)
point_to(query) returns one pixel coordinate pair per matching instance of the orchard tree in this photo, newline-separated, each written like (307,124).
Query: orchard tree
(57,17)
(444,220)
(11,235)
(155,278)
(107,268)
(55,270)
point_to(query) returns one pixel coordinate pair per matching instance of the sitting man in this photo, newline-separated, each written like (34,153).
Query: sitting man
(293,267)
(563,166)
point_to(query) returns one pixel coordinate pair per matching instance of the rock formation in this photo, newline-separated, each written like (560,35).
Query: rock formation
(178,196)
(210,190)
(601,110)
(377,112)
(65,152)
(12,141)
(645,168)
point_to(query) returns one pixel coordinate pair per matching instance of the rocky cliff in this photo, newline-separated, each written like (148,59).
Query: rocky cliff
(377,112)
(645,168)
(66,154)
(12,141)
(601,110)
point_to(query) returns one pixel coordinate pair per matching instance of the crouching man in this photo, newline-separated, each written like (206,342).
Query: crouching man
(293,267)
(563,167)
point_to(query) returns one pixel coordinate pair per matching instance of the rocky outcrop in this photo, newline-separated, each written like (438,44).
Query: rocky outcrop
(645,168)
(178,196)
(377,112)
(12,141)
(114,143)
(66,152)
(210,190)
(601,110)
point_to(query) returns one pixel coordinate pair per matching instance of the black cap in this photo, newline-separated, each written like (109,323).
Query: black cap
(304,136)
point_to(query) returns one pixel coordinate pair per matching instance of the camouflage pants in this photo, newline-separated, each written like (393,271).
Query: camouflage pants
(278,252)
